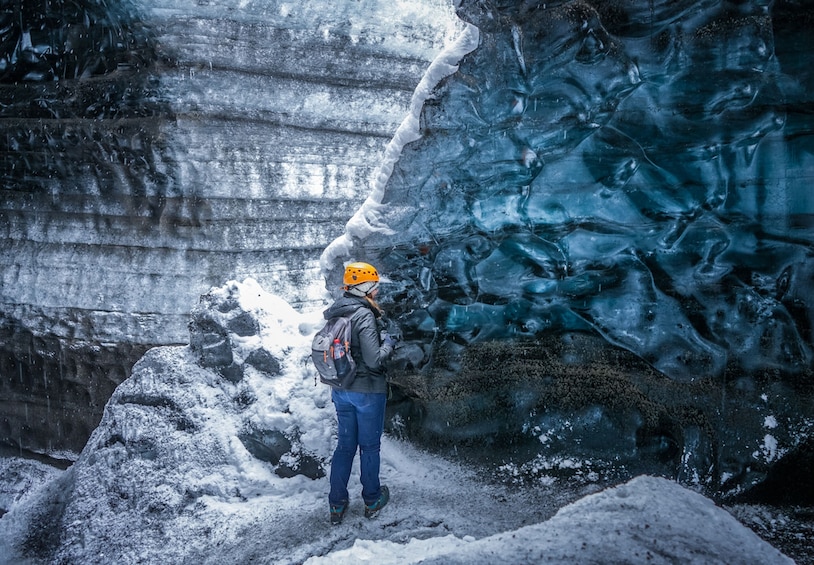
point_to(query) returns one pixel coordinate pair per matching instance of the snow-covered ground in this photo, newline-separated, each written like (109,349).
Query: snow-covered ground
(441,513)
(147,489)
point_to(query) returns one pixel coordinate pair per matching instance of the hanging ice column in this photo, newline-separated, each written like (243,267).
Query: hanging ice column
(367,220)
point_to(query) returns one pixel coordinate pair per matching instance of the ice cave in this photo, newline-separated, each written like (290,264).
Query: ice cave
(593,219)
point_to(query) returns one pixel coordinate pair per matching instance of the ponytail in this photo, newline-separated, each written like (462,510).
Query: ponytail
(377,310)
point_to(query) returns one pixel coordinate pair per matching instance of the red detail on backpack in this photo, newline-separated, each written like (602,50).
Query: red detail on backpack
(330,352)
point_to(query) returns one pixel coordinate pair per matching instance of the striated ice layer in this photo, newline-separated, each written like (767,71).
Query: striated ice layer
(153,149)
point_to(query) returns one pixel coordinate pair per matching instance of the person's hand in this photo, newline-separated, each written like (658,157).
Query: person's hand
(390,340)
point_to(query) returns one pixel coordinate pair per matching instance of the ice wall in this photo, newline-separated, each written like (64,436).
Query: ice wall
(583,173)
(637,172)
(154,149)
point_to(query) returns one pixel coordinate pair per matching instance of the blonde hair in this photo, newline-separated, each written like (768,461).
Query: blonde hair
(376,308)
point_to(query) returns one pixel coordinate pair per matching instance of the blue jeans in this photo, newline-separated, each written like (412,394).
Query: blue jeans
(361,421)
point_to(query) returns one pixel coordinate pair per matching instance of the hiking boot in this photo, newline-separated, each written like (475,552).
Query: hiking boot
(373,509)
(337,513)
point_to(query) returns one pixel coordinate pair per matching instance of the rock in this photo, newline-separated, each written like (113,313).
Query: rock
(266,445)
(210,342)
(232,373)
(219,331)
(263,361)
(273,446)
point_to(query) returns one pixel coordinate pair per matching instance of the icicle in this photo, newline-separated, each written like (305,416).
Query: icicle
(517,41)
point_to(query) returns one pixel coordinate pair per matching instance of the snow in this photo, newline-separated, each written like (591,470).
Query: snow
(648,518)
(201,497)
(366,219)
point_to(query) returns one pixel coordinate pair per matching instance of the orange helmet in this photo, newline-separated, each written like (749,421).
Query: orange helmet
(360,278)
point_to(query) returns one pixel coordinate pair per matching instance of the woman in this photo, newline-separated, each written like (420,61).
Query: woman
(360,408)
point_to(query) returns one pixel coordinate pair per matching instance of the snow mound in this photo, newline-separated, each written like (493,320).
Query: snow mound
(647,519)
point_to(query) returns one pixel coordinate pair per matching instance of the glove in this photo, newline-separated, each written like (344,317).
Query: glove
(390,340)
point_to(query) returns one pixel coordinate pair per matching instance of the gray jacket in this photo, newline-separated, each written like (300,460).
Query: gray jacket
(366,346)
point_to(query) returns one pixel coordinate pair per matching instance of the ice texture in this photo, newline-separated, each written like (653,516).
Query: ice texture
(153,149)
(598,247)
(635,169)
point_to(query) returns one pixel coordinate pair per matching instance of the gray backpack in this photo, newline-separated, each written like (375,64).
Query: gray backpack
(330,352)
